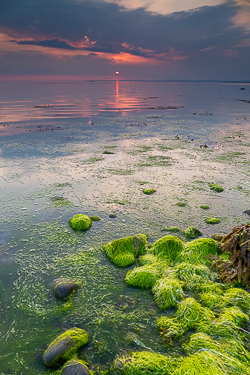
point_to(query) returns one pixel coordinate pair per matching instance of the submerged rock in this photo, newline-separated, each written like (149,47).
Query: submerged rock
(216,188)
(80,222)
(64,347)
(75,367)
(63,288)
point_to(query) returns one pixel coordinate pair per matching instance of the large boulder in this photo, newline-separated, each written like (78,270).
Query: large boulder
(64,347)
(63,288)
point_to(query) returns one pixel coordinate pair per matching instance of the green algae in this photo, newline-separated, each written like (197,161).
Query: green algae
(61,202)
(168,248)
(204,207)
(145,363)
(198,251)
(149,191)
(212,220)
(211,362)
(194,275)
(64,347)
(216,188)
(169,328)
(72,363)
(237,297)
(80,222)
(223,348)
(143,277)
(192,232)
(190,313)
(168,292)
(181,204)
(95,218)
(124,251)
(148,259)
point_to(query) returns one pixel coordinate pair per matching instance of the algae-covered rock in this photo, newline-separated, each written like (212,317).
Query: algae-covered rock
(123,251)
(212,220)
(216,188)
(168,247)
(145,363)
(144,277)
(190,313)
(192,232)
(148,259)
(64,347)
(168,292)
(149,191)
(75,367)
(171,229)
(80,222)
(198,251)
(63,288)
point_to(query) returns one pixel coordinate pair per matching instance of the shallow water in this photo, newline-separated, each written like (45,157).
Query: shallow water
(53,166)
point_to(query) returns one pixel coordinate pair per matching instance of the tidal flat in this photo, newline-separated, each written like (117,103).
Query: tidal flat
(93,150)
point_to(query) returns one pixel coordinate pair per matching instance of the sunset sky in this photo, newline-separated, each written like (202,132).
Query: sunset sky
(142,39)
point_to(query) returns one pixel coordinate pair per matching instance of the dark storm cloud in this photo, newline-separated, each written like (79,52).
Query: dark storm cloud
(111,28)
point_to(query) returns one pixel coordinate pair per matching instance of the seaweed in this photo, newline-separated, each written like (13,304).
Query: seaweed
(168,248)
(190,313)
(212,220)
(144,277)
(145,363)
(192,232)
(168,292)
(80,222)
(169,328)
(198,251)
(124,251)
(216,188)
(149,191)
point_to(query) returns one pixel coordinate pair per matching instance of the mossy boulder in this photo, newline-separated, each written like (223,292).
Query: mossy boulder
(75,367)
(63,288)
(64,347)
(192,232)
(124,251)
(198,251)
(144,277)
(80,222)
(168,247)
(212,220)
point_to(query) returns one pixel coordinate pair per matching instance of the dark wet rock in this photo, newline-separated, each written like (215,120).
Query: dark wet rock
(64,347)
(112,216)
(63,288)
(218,236)
(247,212)
(75,367)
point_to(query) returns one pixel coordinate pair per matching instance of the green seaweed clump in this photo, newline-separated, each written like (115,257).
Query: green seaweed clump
(212,220)
(192,232)
(95,218)
(197,251)
(143,277)
(194,275)
(148,259)
(168,248)
(212,294)
(230,352)
(168,292)
(190,313)
(181,204)
(169,328)
(149,191)
(64,347)
(216,188)
(238,297)
(204,207)
(80,222)
(123,251)
(145,363)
